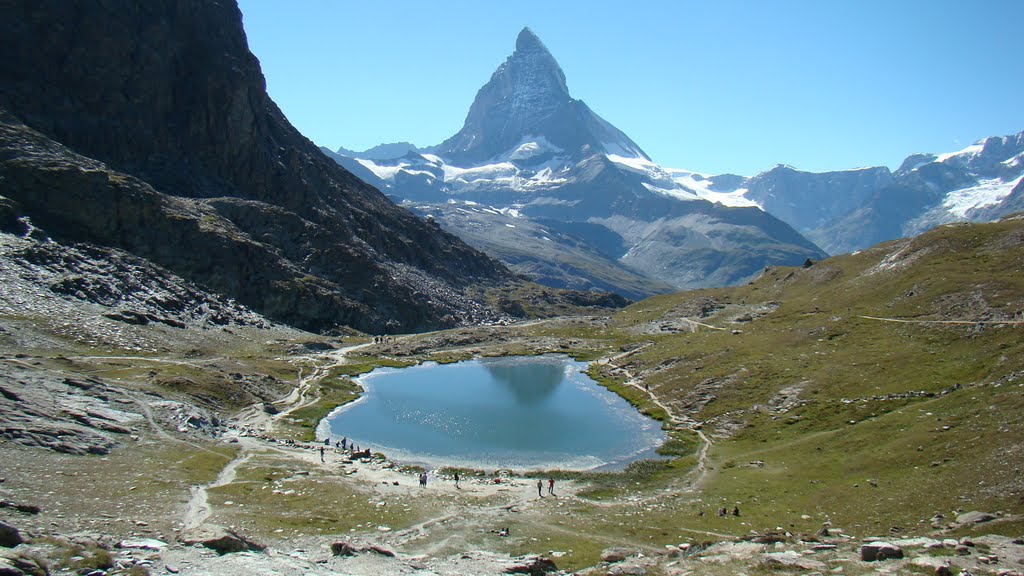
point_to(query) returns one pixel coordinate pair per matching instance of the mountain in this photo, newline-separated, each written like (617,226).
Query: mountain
(147,128)
(849,210)
(591,210)
(527,97)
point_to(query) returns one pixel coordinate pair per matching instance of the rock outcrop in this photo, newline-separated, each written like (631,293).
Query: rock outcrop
(147,127)
(220,539)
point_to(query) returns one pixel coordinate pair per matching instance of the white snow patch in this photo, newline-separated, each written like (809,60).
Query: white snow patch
(970,150)
(986,193)
(700,184)
(674,192)
(641,165)
(620,151)
(382,172)
(510,225)
(499,171)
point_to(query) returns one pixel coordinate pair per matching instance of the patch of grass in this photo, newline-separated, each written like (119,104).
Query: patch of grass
(66,555)
(333,392)
(680,443)
(636,397)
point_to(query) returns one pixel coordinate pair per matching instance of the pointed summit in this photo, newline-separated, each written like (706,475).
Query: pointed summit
(527,100)
(527,40)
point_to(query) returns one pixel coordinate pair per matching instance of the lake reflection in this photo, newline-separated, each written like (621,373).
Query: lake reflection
(530,382)
(524,412)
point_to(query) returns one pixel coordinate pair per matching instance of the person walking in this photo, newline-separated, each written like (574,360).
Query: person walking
(456,479)
(551,486)
(540,487)
(322,454)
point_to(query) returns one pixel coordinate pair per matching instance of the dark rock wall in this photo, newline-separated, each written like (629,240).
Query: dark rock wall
(167,91)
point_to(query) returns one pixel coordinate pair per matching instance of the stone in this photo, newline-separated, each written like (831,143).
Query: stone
(920,542)
(791,559)
(9,535)
(379,550)
(876,551)
(615,554)
(532,565)
(8,569)
(627,570)
(975,517)
(142,544)
(343,549)
(220,539)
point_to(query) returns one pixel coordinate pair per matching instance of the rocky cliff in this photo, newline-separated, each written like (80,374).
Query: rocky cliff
(147,127)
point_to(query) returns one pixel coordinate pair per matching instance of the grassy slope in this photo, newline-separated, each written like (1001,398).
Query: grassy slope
(845,427)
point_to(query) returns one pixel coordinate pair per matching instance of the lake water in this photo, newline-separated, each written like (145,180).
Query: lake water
(538,412)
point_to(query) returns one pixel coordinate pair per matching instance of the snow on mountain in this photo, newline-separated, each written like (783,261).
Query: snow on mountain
(527,97)
(986,193)
(591,209)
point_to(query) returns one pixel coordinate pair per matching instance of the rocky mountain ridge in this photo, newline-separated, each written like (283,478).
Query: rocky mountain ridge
(147,128)
(850,210)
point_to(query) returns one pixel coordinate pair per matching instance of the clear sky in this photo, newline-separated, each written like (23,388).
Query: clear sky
(713,86)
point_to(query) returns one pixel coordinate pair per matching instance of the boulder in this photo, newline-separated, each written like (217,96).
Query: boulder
(142,544)
(791,559)
(13,563)
(876,551)
(220,539)
(615,554)
(975,517)
(379,550)
(9,535)
(8,569)
(532,565)
(343,549)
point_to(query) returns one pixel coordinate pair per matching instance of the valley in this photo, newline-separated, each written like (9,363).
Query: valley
(189,286)
(787,398)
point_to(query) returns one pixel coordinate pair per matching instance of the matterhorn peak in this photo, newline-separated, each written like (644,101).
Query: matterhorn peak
(527,100)
(527,41)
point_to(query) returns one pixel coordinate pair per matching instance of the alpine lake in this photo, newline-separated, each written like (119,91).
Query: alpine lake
(517,413)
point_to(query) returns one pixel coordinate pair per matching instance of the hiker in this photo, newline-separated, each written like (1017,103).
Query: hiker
(721,512)
(735,510)
(344,443)
(322,454)
(456,479)
(423,479)
(327,441)
(540,487)
(551,486)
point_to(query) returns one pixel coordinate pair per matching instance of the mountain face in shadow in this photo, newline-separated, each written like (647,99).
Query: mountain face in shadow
(146,126)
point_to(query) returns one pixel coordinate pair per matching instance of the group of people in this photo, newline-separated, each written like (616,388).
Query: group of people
(344,444)
(724,512)
(540,487)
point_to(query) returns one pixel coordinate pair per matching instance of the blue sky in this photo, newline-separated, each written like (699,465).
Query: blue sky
(713,86)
